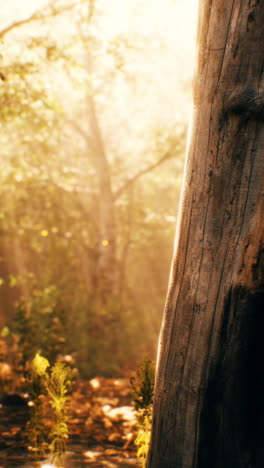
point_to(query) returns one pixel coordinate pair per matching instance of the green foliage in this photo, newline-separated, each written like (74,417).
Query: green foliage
(143,387)
(103,338)
(54,384)
(39,325)
(57,385)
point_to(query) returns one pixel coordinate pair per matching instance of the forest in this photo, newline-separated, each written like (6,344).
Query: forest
(95,100)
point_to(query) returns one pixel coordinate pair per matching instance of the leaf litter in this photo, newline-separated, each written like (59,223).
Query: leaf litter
(101,427)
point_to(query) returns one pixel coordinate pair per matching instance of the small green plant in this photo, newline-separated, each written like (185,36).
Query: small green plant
(57,384)
(54,383)
(143,438)
(36,427)
(143,388)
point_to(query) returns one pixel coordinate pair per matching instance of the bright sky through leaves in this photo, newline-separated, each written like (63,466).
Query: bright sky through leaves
(174,18)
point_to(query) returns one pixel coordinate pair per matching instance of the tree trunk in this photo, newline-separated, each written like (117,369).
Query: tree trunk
(208,405)
(12,262)
(106,273)
(6,302)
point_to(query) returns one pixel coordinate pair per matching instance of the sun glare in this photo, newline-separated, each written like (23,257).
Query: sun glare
(48,466)
(177,19)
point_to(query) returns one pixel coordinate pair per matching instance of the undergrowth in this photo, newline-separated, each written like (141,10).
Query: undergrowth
(49,384)
(143,388)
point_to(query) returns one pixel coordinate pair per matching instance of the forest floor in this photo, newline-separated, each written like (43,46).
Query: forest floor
(101,428)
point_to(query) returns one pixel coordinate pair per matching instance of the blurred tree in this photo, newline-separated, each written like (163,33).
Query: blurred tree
(79,188)
(107,277)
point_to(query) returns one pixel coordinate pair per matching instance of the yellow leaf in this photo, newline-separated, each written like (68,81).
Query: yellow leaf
(39,364)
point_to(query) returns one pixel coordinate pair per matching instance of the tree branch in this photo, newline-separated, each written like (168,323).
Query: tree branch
(81,132)
(37,16)
(16,25)
(168,155)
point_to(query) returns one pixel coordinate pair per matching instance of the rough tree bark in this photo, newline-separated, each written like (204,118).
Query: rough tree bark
(208,405)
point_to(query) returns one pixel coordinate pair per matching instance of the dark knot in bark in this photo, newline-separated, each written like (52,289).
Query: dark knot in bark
(247,103)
